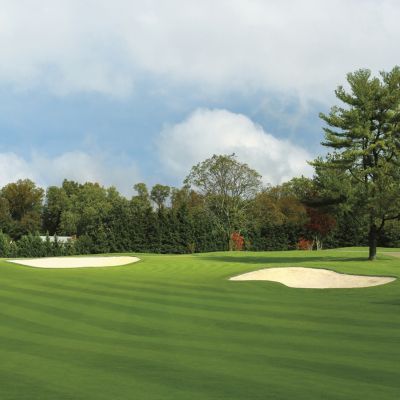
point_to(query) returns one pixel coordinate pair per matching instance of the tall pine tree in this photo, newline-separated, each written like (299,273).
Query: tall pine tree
(364,135)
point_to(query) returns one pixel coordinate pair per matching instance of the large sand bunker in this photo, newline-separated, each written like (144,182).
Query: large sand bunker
(75,262)
(312,278)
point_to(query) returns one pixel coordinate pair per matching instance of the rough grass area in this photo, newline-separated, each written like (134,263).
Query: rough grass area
(174,327)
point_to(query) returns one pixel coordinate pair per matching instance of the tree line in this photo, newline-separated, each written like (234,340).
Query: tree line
(353,198)
(174,220)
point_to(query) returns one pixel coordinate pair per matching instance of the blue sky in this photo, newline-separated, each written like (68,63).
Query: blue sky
(128,91)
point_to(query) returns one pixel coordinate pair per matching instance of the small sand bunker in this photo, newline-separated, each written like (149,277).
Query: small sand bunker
(312,278)
(75,262)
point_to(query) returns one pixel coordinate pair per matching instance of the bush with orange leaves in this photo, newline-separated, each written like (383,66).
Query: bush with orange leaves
(237,241)
(305,244)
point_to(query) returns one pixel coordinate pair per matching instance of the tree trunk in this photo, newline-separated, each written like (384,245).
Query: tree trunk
(230,242)
(372,241)
(318,243)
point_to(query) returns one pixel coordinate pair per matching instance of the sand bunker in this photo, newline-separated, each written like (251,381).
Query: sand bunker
(312,278)
(75,262)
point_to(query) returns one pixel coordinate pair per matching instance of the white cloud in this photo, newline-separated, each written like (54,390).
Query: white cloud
(299,47)
(206,132)
(77,165)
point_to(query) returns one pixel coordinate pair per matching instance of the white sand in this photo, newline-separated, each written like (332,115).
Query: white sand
(313,278)
(75,262)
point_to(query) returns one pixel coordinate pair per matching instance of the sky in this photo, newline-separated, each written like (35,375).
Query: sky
(128,91)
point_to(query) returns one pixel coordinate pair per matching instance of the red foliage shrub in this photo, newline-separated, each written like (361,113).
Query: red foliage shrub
(304,244)
(237,241)
(319,222)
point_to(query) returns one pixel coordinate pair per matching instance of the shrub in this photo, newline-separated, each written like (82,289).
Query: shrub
(5,243)
(304,244)
(84,245)
(237,241)
(31,246)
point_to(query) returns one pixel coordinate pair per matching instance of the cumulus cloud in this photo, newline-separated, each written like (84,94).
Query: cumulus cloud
(299,47)
(77,165)
(206,132)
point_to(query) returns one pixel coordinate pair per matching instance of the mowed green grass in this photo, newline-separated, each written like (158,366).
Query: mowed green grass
(174,327)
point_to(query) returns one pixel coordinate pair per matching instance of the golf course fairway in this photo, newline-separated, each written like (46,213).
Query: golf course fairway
(174,327)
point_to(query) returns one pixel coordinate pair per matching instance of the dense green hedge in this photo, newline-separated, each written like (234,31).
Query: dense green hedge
(179,232)
(106,222)
(33,246)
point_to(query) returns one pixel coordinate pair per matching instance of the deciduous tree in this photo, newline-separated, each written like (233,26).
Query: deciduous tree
(23,199)
(159,194)
(227,186)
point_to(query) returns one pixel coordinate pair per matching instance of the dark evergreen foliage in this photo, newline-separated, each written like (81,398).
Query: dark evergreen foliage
(106,222)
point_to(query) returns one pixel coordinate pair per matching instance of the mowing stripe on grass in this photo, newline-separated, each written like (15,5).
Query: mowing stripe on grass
(174,327)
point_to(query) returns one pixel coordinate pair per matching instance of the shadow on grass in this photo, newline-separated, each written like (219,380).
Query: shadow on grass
(279,260)
(394,302)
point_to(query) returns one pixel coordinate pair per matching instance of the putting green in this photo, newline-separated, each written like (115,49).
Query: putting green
(175,327)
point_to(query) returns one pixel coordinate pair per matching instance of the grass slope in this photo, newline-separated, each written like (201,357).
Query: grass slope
(173,327)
